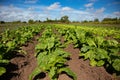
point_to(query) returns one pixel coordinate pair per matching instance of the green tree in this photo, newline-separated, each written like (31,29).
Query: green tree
(16,21)
(48,20)
(96,20)
(24,22)
(85,21)
(31,21)
(64,19)
(106,19)
(2,22)
(111,21)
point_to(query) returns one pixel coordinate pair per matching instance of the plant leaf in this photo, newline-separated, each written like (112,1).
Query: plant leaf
(100,63)
(69,72)
(116,64)
(53,73)
(93,62)
(85,48)
(91,42)
(2,70)
(34,73)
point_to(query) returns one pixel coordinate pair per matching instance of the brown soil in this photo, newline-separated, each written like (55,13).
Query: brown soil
(82,68)
(22,65)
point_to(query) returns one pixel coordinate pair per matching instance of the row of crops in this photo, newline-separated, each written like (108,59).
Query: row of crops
(101,31)
(99,50)
(12,40)
(51,57)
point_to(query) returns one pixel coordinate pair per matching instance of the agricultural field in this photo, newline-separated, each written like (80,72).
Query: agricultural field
(60,52)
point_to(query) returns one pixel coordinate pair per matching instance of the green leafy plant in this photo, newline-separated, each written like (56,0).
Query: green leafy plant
(95,47)
(12,40)
(101,51)
(52,63)
(50,57)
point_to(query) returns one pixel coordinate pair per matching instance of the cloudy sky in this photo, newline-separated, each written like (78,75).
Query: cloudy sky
(77,10)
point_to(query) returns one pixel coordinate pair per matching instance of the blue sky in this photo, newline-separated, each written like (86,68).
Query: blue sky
(77,10)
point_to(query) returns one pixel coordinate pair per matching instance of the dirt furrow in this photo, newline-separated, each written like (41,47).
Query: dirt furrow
(82,68)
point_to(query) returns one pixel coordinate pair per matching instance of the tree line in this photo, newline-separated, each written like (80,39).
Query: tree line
(104,21)
(65,19)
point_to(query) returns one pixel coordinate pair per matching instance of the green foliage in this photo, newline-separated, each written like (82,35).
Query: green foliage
(12,40)
(2,22)
(34,73)
(53,63)
(116,64)
(31,21)
(111,21)
(100,51)
(96,20)
(50,57)
(2,70)
(69,72)
(3,62)
(64,19)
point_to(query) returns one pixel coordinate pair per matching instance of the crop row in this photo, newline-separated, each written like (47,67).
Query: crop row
(101,31)
(50,56)
(99,50)
(12,40)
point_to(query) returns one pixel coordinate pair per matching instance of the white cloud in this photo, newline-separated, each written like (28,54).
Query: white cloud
(88,5)
(30,1)
(116,13)
(99,11)
(66,9)
(80,12)
(15,13)
(91,9)
(31,8)
(12,13)
(54,6)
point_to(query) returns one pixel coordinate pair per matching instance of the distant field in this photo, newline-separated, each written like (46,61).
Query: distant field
(117,26)
(12,26)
